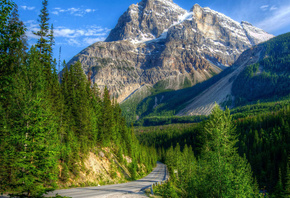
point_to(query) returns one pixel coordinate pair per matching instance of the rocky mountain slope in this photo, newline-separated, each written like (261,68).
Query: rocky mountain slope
(260,73)
(156,41)
(221,91)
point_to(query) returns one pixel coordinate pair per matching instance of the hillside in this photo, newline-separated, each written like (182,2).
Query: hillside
(157,43)
(268,78)
(232,87)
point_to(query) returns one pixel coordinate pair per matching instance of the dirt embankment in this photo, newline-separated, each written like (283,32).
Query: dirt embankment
(99,167)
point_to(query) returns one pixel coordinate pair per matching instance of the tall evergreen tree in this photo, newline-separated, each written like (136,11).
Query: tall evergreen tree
(12,45)
(224,173)
(287,184)
(30,149)
(43,42)
(107,118)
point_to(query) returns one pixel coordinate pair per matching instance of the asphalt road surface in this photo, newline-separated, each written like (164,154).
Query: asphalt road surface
(130,189)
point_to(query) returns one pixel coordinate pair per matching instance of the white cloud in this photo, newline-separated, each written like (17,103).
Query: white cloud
(73,11)
(90,10)
(268,7)
(264,7)
(65,32)
(27,8)
(55,12)
(90,41)
(279,19)
(273,8)
(93,31)
(73,42)
(80,37)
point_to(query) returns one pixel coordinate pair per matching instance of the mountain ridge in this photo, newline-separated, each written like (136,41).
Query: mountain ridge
(156,41)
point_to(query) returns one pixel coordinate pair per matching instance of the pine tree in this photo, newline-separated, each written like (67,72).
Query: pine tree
(30,151)
(279,191)
(12,45)
(287,185)
(224,173)
(51,39)
(107,118)
(43,42)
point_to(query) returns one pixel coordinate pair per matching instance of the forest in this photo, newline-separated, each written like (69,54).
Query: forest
(268,78)
(256,146)
(46,124)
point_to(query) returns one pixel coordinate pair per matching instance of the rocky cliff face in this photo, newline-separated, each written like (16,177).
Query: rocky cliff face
(146,20)
(157,41)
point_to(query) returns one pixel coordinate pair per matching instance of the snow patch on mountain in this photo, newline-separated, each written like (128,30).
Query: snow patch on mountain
(181,19)
(172,6)
(255,35)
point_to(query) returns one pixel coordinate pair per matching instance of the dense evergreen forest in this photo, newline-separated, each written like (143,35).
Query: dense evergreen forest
(257,139)
(46,124)
(268,78)
(165,120)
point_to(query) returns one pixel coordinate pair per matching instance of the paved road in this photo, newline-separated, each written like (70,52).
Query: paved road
(118,190)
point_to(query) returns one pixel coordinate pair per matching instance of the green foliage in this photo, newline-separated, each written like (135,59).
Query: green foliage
(264,138)
(260,108)
(219,170)
(287,184)
(165,120)
(29,154)
(12,46)
(166,190)
(107,119)
(162,137)
(224,173)
(269,77)
(43,33)
(279,191)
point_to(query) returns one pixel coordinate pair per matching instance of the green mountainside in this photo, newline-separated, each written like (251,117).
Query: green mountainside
(270,77)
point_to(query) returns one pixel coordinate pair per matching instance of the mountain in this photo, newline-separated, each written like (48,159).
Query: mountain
(260,73)
(157,43)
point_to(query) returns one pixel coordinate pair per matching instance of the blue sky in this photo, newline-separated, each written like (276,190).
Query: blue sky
(79,23)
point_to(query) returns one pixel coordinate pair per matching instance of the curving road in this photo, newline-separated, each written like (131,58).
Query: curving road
(130,189)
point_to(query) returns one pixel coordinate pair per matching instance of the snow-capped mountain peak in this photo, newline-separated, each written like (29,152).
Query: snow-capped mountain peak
(146,20)
(156,40)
